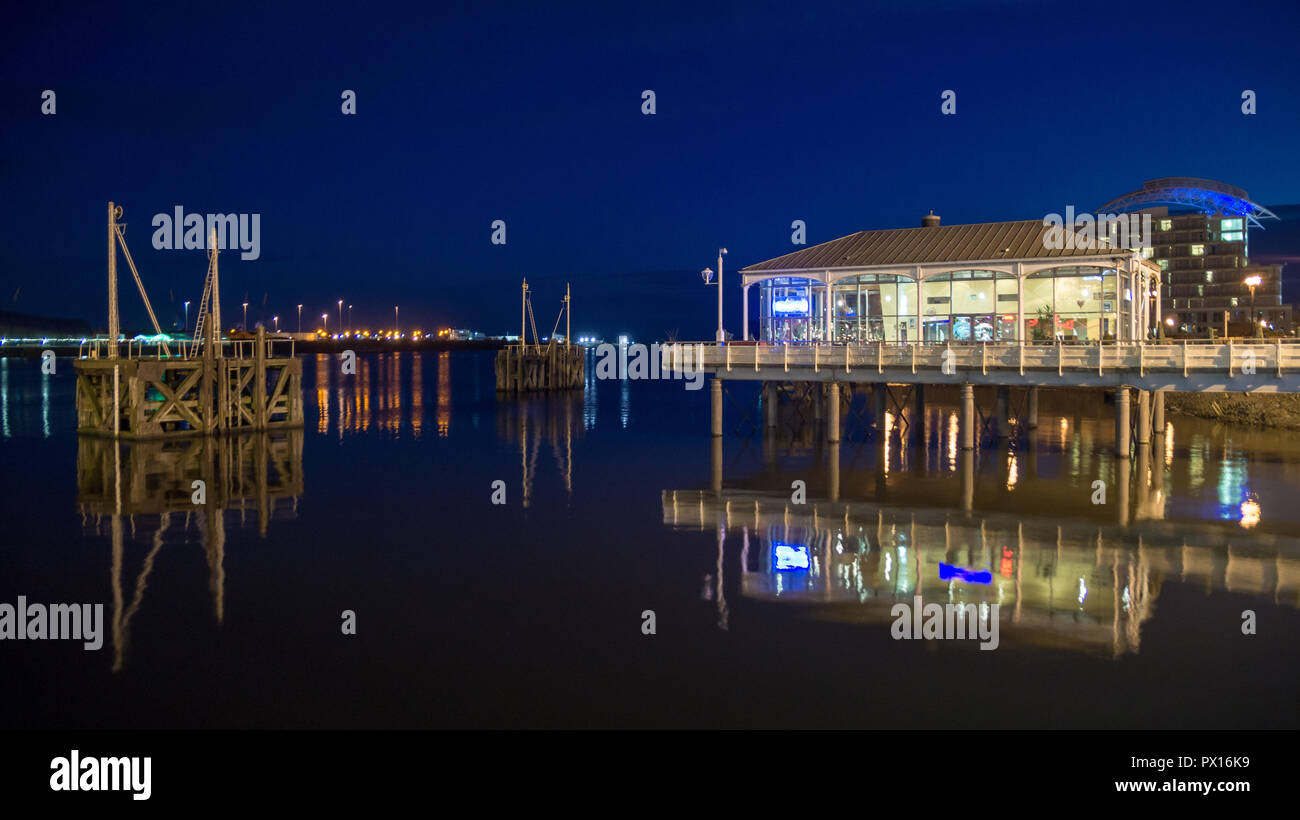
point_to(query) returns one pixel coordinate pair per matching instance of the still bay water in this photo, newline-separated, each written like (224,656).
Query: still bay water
(1124,614)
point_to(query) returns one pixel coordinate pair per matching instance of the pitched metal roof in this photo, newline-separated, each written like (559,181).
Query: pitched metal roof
(941,243)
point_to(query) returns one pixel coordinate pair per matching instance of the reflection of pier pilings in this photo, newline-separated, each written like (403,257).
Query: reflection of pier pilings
(153,485)
(530,420)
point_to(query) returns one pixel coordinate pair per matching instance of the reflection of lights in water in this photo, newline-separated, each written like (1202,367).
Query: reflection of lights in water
(417,394)
(443,409)
(788,557)
(889,566)
(1196,462)
(1126,599)
(45,404)
(1232,484)
(322,392)
(1065,429)
(1013,471)
(1169,444)
(953,426)
(1249,513)
(1083,591)
(4,396)
(889,428)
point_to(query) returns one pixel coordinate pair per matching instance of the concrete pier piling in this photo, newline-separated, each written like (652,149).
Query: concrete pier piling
(1003,410)
(968,417)
(1144,418)
(1122,422)
(715,394)
(833,413)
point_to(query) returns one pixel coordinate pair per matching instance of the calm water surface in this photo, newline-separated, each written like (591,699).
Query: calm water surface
(1124,614)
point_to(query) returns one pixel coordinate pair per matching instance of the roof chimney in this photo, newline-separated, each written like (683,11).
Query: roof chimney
(930,220)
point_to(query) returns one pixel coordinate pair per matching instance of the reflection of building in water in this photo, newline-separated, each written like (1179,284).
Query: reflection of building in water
(1080,586)
(528,422)
(144,492)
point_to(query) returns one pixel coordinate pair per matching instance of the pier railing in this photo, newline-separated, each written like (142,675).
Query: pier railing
(1064,362)
(183,349)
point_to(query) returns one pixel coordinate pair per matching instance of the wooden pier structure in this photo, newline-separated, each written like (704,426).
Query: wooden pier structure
(535,367)
(203,387)
(1137,374)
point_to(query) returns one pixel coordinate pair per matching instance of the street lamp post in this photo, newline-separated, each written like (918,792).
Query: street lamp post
(325,323)
(245,316)
(187,317)
(721,334)
(1253,282)
(396,325)
(340,316)
(349,318)
(300,318)
(276,319)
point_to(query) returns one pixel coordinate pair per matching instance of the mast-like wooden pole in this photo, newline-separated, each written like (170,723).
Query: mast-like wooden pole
(114,325)
(216,291)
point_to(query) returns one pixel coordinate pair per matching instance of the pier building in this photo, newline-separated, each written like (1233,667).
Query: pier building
(992,282)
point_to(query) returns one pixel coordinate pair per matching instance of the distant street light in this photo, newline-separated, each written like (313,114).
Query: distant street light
(276,319)
(349,318)
(300,318)
(396,325)
(325,322)
(245,316)
(340,315)
(187,317)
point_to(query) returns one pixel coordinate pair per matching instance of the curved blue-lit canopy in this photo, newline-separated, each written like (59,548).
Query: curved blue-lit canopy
(1205,195)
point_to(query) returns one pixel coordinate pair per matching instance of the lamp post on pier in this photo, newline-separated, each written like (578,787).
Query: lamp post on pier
(708,276)
(300,318)
(1253,282)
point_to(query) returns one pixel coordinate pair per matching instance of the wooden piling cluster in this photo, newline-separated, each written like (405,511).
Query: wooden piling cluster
(139,398)
(194,390)
(534,368)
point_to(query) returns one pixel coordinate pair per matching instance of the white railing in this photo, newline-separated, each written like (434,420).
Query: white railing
(1271,356)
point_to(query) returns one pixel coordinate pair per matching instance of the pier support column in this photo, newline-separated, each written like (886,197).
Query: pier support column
(833,473)
(715,461)
(1122,422)
(880,393)
(818,392)
(916,424)
(259,376)
(1031,415)
(1004,411)
(1158,412)
(1144,418)
(833,412)
(968,417)
(715,393)
(770,399)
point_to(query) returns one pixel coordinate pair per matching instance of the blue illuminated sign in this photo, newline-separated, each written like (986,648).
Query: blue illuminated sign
(790,557)
(948,572)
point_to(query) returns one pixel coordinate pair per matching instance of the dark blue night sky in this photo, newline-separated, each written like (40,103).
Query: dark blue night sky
(472,112)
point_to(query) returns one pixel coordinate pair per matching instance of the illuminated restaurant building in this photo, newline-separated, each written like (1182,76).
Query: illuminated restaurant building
(992,282)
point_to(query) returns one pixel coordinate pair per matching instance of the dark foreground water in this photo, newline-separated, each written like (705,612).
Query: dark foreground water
(1123,614)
